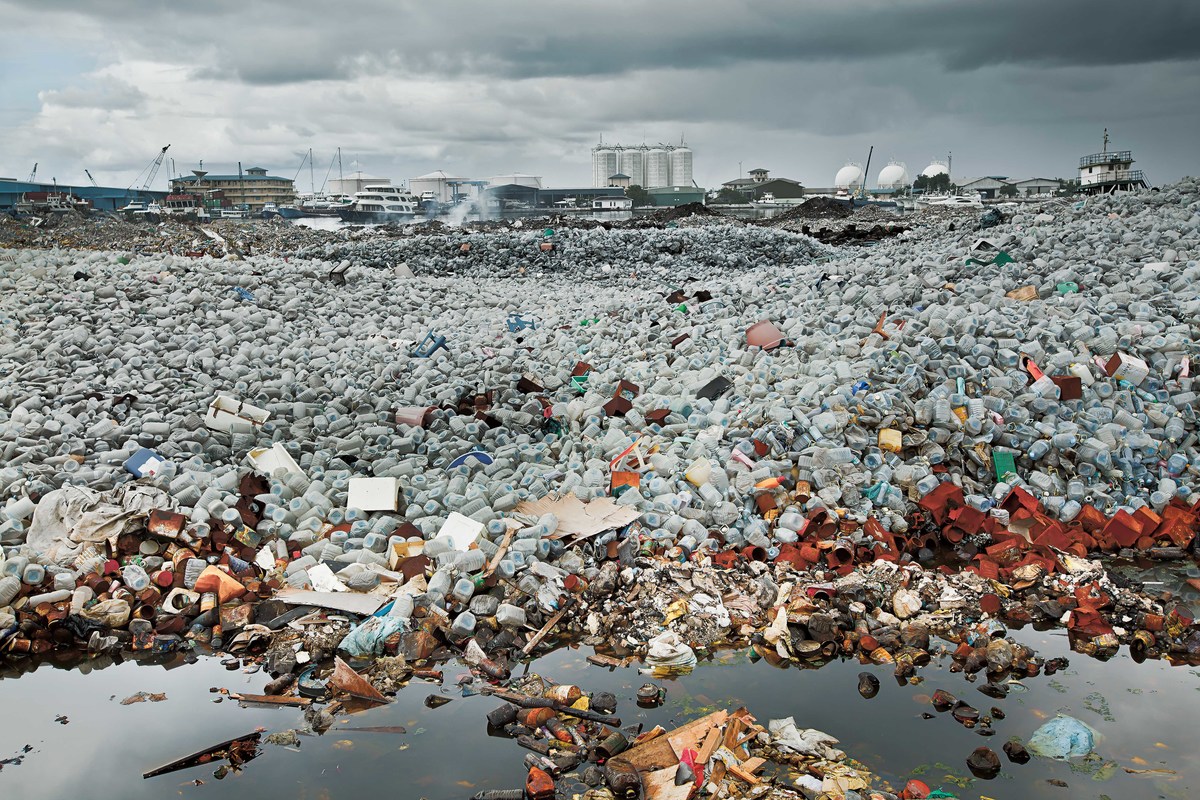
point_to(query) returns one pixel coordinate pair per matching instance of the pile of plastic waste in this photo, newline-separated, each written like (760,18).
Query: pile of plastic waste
(202,452)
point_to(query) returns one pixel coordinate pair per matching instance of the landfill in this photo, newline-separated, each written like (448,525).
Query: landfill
(352,455)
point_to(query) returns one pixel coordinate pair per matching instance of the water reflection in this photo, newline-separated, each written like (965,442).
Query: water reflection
(1143,713)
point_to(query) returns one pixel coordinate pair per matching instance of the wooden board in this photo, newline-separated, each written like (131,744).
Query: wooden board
(660,785)
(663,751)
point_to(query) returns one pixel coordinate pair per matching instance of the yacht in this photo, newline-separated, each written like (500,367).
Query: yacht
(971,201)
(380,204)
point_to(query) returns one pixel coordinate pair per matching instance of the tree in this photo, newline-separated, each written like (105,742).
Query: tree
(639,196)
(932,184)
(1068,188)
(730,196)
(1008,190)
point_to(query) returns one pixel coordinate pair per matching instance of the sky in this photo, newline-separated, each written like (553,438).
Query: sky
(1017,88)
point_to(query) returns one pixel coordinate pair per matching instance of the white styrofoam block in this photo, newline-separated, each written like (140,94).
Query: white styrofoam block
(373,494)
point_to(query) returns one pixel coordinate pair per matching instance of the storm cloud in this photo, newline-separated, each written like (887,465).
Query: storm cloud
(1015,88)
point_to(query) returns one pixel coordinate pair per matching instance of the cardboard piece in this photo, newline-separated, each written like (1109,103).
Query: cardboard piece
(1125,367)
(578,519)
(373,494)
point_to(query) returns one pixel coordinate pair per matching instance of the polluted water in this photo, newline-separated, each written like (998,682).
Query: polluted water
(347,492)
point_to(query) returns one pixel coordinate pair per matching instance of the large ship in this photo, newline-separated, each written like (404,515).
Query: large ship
(380,204)
(1109,171)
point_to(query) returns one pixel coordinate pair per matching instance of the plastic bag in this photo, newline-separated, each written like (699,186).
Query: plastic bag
(1062,738)
(668,653)
(368,638)
(807,742)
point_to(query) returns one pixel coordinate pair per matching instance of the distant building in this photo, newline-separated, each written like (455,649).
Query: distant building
(101,198)
(620,179)
(436,185)
(253,189)
(518,196)
(355,182)
(612,204)
(516,179)
(988,186)
(675,195)
(1035,186)
(760,183)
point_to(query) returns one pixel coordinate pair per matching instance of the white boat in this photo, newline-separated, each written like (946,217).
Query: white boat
(960,200)
(766,201)
(380,204)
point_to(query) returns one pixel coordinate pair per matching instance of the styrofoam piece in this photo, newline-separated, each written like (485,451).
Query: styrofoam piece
(461,531)
(373,494)
(227,414)
(268,459)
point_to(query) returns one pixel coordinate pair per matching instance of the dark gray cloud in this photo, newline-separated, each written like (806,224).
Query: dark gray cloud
(1014,87)
(277,41)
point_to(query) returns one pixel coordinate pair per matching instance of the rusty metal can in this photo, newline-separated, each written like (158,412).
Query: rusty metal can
(612,745)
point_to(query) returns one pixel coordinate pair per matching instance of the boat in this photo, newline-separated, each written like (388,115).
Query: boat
(766,201)
(269,210)
(1109,172)
(953,200)
(185,205)
(380,204)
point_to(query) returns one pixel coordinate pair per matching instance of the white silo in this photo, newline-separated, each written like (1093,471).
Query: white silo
(849,177)
(935,168)
(604,164)
(633,163)
(657,168)
(893,176)
(681,166)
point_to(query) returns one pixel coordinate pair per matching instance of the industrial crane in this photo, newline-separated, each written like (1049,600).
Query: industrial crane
(32,173)
(90,178)
(154,166)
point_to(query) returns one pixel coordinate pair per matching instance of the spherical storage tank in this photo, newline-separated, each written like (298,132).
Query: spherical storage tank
(848,177)
(934,169)
(894,175)
(681,166)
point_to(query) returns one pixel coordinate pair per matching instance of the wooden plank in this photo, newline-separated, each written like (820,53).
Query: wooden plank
(537,637)
(753,765)
(500,553)
(732,731)
(691,736)
(742,775)
(710,744)
(660,785)
(664,750)
(271,699)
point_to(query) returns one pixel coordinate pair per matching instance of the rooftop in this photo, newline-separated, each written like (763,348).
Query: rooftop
(244,177)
